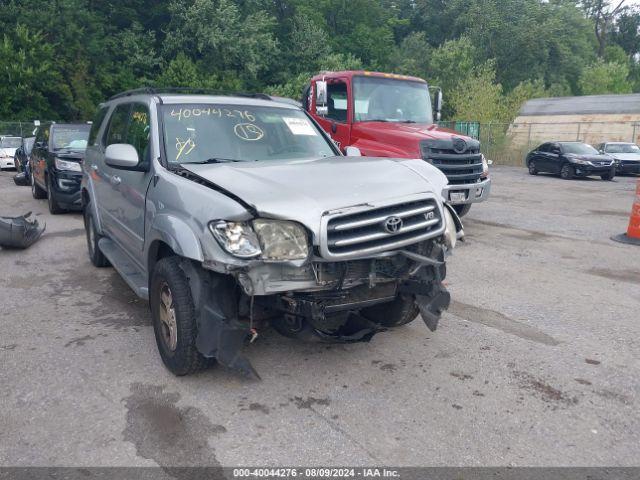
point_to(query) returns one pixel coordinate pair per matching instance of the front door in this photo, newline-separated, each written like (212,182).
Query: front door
(125,204)
(337,122)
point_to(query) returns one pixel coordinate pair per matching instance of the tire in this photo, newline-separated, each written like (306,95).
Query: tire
(174,319)
(93,237)
(54,207)
(396,313)
(607,176)
(532,168)
(37,192)
(567,172)
(462,210)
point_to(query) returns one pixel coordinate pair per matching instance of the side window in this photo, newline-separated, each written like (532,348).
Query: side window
(544,147)
(97,121)
(337,101)
(555,147)
(139,130)
(117,130)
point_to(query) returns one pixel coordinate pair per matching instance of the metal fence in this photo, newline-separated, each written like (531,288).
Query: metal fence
(19,129)
(509,143)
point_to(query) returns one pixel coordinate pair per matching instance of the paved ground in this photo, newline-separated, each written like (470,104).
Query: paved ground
(537,362)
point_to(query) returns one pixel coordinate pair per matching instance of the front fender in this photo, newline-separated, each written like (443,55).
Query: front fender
(370,148)
(177,234)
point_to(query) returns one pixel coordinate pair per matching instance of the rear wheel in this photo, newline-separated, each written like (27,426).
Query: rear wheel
(54,207)
(462,210)
(93,237)
(567,172)
(174,318)
(37,192)
(532,168)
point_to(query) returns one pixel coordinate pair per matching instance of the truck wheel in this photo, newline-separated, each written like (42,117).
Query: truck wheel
(398,312)
(532,168)
(462,210)
(174,318)
(54,207)
(567,172)
(93,237)
(37,192)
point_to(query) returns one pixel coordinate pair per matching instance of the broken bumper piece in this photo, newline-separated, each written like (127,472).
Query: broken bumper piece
(19,232)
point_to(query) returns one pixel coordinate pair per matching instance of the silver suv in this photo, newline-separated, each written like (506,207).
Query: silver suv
(232,213)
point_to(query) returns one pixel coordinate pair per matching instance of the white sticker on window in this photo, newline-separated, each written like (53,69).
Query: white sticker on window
(299,126)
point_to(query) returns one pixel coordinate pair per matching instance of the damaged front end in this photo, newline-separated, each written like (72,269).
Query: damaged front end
(19,232)
(325,299)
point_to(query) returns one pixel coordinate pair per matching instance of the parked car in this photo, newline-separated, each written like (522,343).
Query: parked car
(570,159)
(55,165)
(22,154)
(8,146)
(230,213)
(625,155)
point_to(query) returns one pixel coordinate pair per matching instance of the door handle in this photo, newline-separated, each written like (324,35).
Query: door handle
(116,180)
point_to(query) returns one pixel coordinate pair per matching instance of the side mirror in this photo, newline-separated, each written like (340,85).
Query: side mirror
(438,102)
(353,152)
(321,98)
(122,155)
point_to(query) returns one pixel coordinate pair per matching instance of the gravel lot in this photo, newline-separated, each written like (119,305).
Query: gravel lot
(536,363)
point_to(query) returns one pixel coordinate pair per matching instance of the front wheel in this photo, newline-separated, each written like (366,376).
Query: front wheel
(54,207)
(567,172)
(462,210)
(608,176)
(174,318)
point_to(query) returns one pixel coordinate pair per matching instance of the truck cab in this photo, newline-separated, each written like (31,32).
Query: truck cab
(389,115)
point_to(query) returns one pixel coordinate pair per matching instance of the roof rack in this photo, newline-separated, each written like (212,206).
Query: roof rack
(188,90)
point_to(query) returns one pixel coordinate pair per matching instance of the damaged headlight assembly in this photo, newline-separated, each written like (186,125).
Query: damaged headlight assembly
(268,239)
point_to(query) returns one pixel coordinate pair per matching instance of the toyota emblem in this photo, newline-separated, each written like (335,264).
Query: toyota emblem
(393,224)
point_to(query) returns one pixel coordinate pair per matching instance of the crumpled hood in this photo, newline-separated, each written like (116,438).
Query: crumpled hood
(7,152)
(302,190)
(626,156)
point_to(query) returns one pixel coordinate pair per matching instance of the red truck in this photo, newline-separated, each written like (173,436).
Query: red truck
(388,115)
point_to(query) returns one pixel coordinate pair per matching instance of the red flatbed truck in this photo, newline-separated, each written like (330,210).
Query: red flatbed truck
(387,115)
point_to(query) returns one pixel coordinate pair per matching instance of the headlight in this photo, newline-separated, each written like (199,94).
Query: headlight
(485,167)
(281,240)
(579,161)
(67,165)
(237,238)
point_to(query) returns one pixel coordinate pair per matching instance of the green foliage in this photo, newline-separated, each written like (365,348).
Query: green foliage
(605,77)
(65,56)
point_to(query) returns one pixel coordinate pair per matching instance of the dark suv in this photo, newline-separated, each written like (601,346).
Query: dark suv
(55,165)
(570,159)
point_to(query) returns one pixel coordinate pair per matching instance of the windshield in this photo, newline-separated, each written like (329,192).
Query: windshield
(72,137)
(208,133)
(10,142)
(579,149)
(622,148)
(391,100)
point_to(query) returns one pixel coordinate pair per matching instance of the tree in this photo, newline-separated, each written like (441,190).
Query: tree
(603,13)
(605,77)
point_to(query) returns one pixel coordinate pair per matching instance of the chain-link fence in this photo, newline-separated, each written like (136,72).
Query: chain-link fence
(18,129)
(509,143)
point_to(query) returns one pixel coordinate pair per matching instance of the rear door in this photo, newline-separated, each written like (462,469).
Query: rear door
(39,155)
(541,160)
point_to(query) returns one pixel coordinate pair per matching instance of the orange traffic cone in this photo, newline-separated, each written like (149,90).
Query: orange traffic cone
(633,232)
